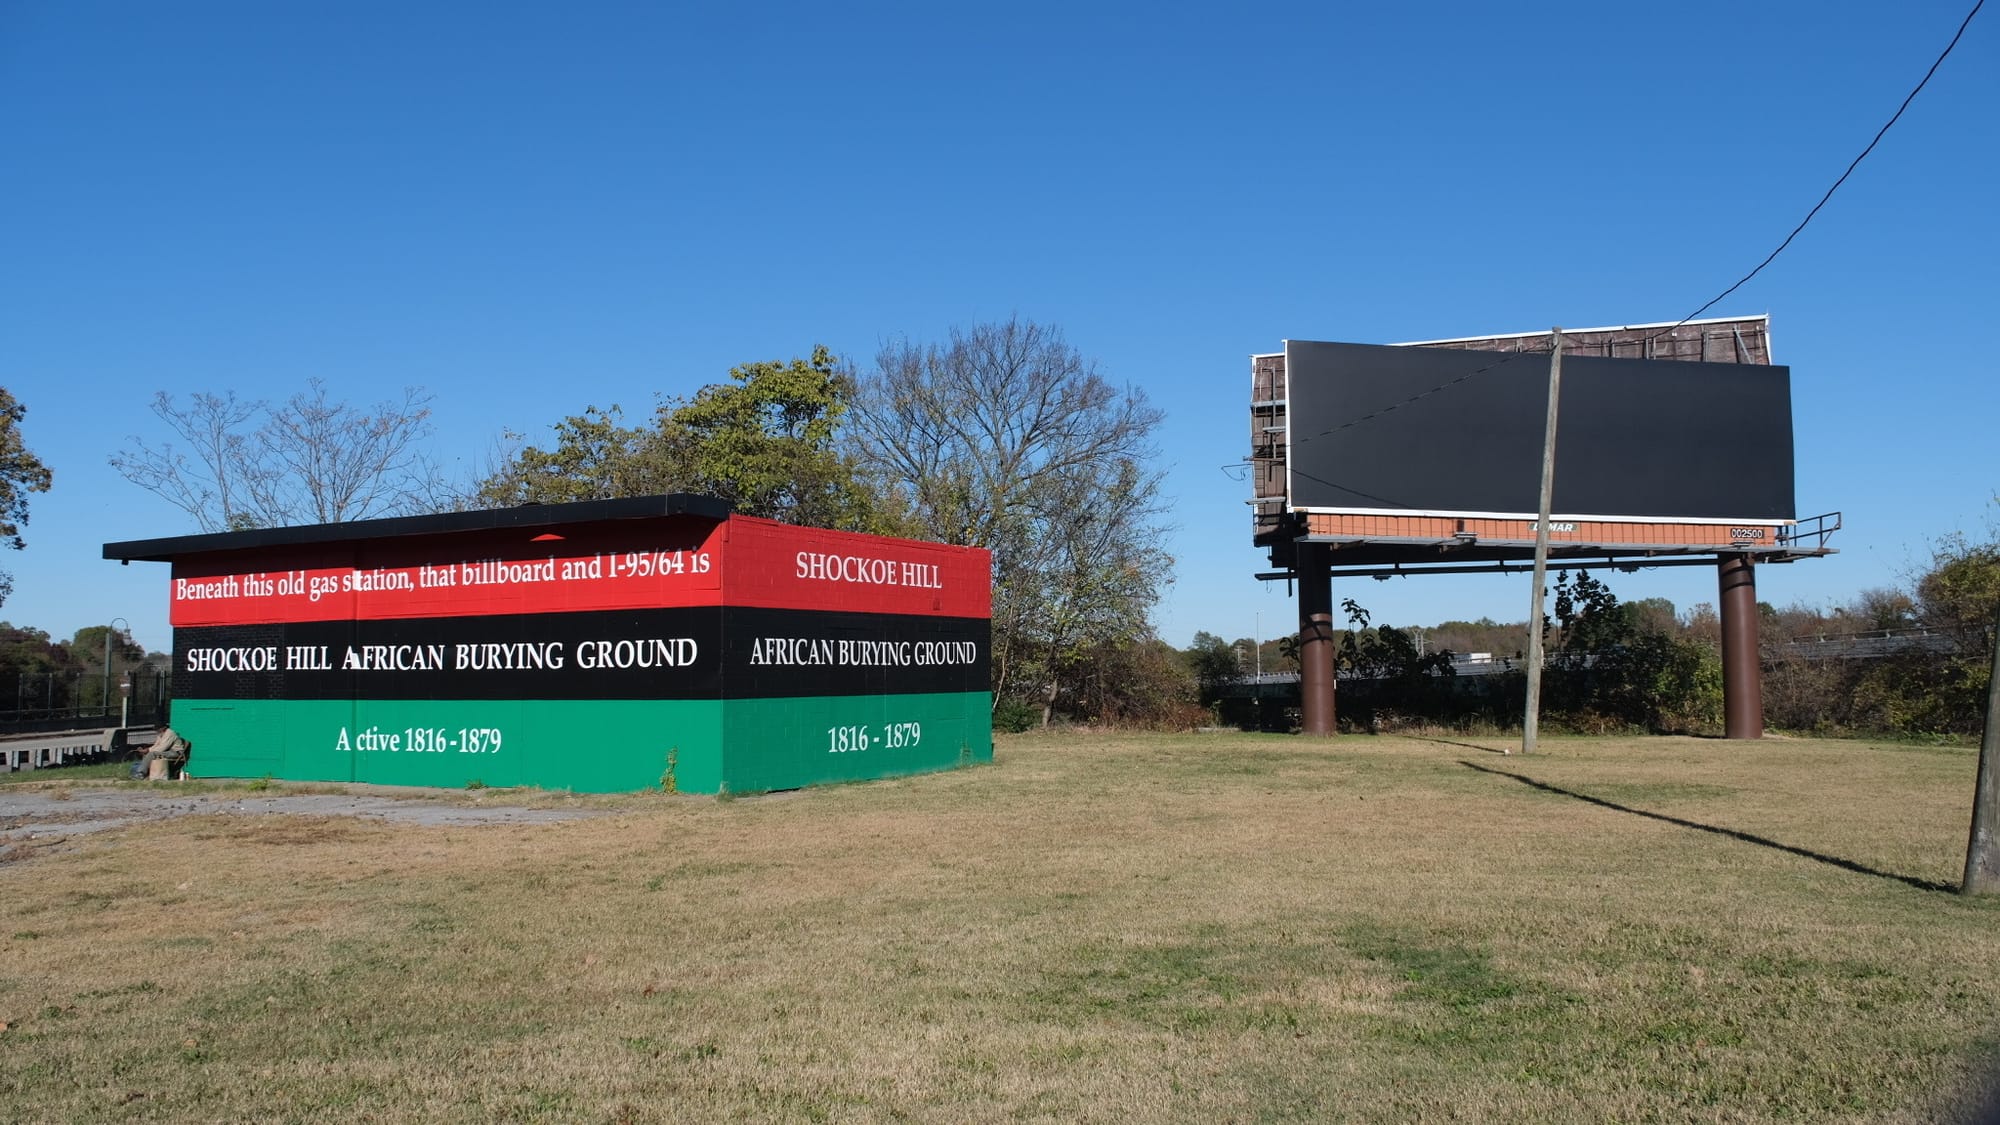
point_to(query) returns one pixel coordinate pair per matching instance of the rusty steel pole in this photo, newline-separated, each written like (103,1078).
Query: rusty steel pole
(1742,675)
(1316,674)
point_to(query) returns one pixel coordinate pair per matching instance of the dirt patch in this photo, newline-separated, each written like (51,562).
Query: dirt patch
(36,818)
(286,830)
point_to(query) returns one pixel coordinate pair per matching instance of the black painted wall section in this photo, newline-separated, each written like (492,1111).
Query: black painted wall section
(708,652)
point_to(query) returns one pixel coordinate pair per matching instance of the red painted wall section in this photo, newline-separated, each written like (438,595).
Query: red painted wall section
(620,564)
(783,566)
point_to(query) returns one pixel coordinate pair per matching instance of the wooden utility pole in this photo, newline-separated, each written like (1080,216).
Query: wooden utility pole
(1982,851)
(1531,720)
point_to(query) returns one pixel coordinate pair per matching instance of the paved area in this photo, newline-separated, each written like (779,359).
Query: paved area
(35,813)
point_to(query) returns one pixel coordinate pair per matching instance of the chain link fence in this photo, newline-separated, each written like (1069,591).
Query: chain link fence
(48,700)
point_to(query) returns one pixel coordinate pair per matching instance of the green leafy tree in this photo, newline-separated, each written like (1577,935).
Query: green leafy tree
(1883,608)
(36,671)
(766,440)
(1591,620)
(25,650)
(1215,664)
(1960,592)
(592,457)
(1935,690)
(87,658)
(1658,615)
(1618,665)
(1484,635)
(21,474)
(1383,652)
(1390,676)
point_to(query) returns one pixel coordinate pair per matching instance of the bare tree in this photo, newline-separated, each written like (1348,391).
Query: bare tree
(206,480)
(309,459)
(333,462)
(1007,438)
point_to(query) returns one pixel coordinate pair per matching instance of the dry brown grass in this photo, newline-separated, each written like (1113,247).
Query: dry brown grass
(1095,928)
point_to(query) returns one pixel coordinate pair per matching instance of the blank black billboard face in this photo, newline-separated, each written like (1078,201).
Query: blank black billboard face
(1637,438)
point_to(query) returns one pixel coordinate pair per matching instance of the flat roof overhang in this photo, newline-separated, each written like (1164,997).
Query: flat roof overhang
(522,517)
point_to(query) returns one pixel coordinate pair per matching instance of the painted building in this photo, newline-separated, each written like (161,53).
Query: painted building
(604,646)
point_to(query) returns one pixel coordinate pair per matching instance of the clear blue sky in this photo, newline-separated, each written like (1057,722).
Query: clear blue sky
(533,208)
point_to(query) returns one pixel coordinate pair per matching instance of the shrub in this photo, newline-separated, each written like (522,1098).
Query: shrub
(1014,716)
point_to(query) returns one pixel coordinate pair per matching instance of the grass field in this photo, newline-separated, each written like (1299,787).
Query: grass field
(96,771)
(1099,928)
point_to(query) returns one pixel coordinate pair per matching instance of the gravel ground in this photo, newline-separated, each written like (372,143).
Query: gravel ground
(34,813)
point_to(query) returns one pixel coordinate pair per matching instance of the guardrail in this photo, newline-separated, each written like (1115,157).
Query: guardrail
(49,749)
(1868,645)
(1812,532)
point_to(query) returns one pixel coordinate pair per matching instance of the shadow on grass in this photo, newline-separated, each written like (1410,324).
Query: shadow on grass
(1449,742)
(1734,834)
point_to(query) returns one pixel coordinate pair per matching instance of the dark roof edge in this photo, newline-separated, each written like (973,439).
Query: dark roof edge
(445,523)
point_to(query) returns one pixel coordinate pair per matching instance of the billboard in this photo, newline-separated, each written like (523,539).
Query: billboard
(703,652)
(1436,431)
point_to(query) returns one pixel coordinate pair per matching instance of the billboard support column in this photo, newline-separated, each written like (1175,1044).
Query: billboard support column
(1742,677)
(1316,675)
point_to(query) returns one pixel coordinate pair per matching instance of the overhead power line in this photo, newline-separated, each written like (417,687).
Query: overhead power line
(1852,165)
(1740,282)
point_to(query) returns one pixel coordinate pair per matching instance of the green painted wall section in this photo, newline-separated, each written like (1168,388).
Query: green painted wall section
(592,746)
(786,743)
(596,746)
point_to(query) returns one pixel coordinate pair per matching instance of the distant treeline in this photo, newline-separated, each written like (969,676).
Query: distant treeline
(42,677)
(1909,661)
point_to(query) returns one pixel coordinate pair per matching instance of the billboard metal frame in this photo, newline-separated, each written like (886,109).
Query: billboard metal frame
(1311,546)
(1377,540)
